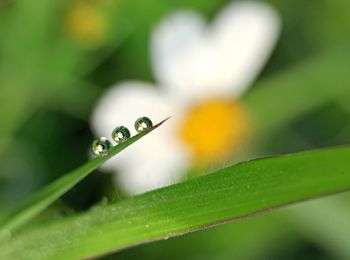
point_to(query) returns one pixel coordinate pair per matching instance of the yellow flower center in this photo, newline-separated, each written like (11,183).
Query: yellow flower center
(213,129)
(86,23)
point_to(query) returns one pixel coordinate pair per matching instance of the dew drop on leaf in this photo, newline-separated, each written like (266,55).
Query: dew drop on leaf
(101,146)
(120,134)
(142,124)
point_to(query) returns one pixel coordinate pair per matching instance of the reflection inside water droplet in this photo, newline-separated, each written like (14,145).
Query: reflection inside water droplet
(120,134)
(142,124)
(101,146)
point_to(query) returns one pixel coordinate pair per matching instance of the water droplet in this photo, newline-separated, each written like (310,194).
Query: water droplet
(120,134)
(142,124)
(101,146)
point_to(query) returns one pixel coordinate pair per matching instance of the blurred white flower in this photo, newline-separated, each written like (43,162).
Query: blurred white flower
(202,71)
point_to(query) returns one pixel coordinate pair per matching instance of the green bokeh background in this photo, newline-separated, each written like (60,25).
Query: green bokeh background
(49,83)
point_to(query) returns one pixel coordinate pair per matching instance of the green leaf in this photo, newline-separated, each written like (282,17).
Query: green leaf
(39,201)
(232,193)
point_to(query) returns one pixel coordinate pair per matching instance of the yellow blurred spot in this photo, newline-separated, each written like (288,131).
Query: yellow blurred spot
(213,129)
(86,23)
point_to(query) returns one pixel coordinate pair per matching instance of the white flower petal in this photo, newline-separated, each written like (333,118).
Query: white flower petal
(150,171)
(245,34)
(172,39)
(221,61)
(155,155)
(127,101)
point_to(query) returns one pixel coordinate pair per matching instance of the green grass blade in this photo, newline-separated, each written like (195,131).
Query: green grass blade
(229,194)
(40,200)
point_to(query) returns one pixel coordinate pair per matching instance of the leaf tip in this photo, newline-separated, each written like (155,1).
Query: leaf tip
(161,122)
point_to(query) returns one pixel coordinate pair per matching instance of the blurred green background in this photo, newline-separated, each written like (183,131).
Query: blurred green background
(51,76)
